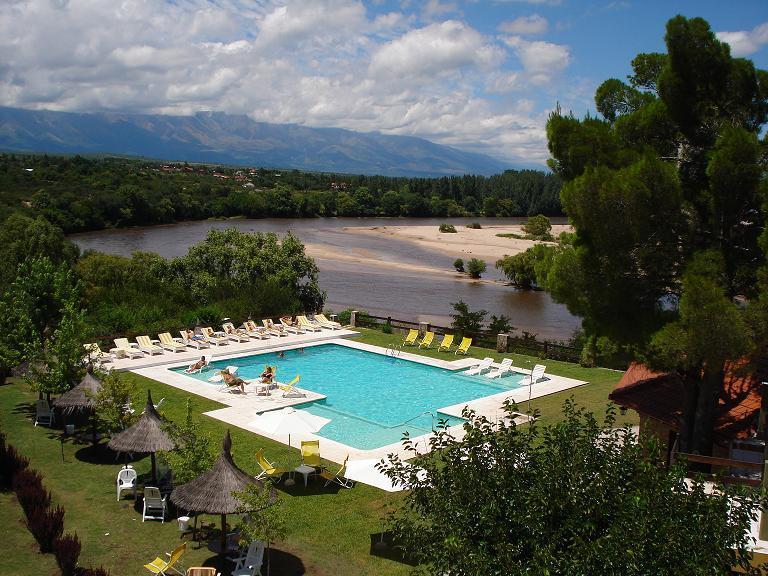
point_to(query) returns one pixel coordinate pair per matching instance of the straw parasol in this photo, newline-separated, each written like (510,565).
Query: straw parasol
(81,398)
(212,491)
(147,435)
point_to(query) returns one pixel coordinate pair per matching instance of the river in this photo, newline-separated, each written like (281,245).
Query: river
(406,294)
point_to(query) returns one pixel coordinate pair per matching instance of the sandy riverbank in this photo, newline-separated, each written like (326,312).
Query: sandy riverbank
(465,243)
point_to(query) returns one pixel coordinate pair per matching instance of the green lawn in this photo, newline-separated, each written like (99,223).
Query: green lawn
(328,530)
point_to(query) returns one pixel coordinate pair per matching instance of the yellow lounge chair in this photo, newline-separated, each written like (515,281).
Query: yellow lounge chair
(310,453)
(122,346)
(164,567)
(338,477)
(325,323)
(96,354)
(146,345)
(212,338)
(446,343)
(410,340)
(464,346)
(290,391)
(268,469)
(426,342)
(167,342)
(307,325)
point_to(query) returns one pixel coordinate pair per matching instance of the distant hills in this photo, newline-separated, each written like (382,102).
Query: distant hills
(214,137)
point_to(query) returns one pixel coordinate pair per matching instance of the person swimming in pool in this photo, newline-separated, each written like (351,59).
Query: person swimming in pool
(281,354)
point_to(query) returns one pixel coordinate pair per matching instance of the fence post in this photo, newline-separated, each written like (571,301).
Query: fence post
(546,349)
(334,317)
(389,320)
(423,328)
(502,343)
(353,318)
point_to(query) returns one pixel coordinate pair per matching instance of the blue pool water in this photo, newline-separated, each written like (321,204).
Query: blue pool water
(371,398)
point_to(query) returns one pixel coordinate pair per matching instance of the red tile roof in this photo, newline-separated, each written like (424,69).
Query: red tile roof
(660,396)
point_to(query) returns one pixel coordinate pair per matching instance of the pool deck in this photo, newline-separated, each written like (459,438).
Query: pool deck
(240,410)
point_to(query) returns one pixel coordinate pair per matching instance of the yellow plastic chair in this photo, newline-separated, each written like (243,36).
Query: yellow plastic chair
(410,340)
(310,453)
(426,342)
(446,343)
(268,469)
(338,477)
(290,391)
(160,566)
(464,346)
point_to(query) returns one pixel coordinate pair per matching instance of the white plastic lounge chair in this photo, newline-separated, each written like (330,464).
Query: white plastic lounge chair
(536,374)
(504,368)
(168,343)
(480,368)
(190,370)
(146,345)
(218,378)
(96,354)
(126,481)
(122,346)
(292,326)
(325,323)
(154,502)
(249,564)
(254,331)
(307,325)
(234,334)
(274,329)
(217,339)
(195,343)
(43,413)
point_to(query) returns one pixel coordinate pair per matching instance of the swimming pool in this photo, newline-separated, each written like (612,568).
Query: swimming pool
(371,398)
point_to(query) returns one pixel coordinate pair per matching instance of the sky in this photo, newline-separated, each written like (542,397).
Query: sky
(479,75)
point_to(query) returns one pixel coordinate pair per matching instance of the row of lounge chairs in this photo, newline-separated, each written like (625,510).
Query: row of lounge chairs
(206,337)
(426,342)
(486,368)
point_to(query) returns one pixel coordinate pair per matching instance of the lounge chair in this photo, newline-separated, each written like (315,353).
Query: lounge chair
(195,343)
(305,323)
(325,323)
(291,326)
(146,345)
(410,340)
(504,368)
(122,346)
(255,331)
(43,413)
(484,365)
(234,334)
(290,390)
(250,563)
(426,342)
(154,502)
(96,354)
(273,328)
(217,339)
(164,567)
(310,453)
(338,476)
(126,480)
(191,370)
(268,469)
(168,343)
(464,346)
(446,343)
(536,374)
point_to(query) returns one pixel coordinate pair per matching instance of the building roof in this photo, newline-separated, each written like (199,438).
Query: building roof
(660,396)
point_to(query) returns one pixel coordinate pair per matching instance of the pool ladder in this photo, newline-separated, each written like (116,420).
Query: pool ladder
(394,351)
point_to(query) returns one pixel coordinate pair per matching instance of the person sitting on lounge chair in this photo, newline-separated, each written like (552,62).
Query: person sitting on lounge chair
(190,335)
(232,381)
(267,376)
(197,366)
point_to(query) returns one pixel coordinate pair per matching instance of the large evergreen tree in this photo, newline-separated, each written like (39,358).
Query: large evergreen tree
(665,192)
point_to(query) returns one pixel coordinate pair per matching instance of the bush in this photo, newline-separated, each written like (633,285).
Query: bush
(459,265)
(466,321)
(474,226)
(449,228)
(11,462)
(500,325)
(28,486)
(67,550)
(386,328)
(46,525)
(538,227)
(476,267)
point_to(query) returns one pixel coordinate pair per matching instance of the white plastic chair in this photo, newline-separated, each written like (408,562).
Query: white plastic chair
(126,480)
(249,564)
(153,502)
(504,368)
(536,374)
(43,413)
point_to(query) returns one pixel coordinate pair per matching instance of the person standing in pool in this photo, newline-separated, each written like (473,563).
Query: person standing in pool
(281,354)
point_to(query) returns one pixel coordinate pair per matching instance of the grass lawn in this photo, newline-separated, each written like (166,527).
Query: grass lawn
(329,531)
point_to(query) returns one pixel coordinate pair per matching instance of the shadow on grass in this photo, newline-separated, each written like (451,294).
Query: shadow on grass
(26,409)
(282,563)
(383,546)
(314,488)
(101,453)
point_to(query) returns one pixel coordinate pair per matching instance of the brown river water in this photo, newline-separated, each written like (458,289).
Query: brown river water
(402,294)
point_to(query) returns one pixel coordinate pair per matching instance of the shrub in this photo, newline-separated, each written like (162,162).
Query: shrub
(386,328)
(344,316)
(538,227)
(67,550)
(459,265)
(476,267)
(474,226)
(500,324)
(11,462)
(28,486)
(448,228)
(46,525)
(465,320)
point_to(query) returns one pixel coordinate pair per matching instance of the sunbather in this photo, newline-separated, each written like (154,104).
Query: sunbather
(232,381)
(197,366)
(267,376)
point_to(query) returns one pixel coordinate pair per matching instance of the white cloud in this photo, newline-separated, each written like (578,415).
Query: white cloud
(746,42)
(525,25)
(542,61)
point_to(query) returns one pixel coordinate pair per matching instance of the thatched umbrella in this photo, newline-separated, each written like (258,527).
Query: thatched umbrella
(147,435)
(212,491)
(81,398)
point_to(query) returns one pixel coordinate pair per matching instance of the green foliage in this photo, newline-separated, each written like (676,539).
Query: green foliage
(114,401)
(476,267)
(263,514)
(474,226)
(195,451)
(500,325)
(459,265)
(528,269)
(538,228)
(464,320)
(449,228)
(575,497)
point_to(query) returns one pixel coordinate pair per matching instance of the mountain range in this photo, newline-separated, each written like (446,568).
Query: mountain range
(219,138)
